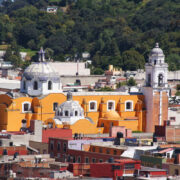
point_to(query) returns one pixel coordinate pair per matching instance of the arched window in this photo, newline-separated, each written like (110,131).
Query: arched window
(92,106)
(35,85)
(110,105)
(76,113)
(66,113)
(26,106)
(24,85)
(49,85)
(149,80)
(129,106)
(55,106)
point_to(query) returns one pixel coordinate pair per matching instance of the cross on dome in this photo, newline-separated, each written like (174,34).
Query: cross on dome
(41,55)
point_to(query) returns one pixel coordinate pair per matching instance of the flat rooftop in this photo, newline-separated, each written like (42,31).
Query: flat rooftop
(109,144)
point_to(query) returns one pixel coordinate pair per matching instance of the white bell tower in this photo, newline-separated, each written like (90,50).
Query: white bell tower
(156,69)
(156,89)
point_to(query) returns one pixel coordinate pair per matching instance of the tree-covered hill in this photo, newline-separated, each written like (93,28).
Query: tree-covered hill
(118,32)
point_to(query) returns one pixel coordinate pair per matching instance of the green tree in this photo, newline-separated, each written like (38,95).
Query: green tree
(174,62)
(7,54)
(49,53)
(105,89)
(131,82)
(132,60)
(178,87)
(15,60)
(97,71)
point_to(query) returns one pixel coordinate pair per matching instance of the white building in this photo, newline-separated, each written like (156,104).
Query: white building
(40,78)
(71,68)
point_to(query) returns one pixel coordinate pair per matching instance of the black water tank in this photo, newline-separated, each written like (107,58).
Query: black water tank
(111,160)
(4,152)
(119,135)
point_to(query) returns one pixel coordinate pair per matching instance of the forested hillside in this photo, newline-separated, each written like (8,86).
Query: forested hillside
(118,32)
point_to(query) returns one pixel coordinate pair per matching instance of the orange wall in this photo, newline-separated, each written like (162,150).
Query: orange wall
(43,110)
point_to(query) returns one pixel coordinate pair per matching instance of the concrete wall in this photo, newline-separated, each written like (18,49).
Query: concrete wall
(41,147)
(71,68)
(85,80)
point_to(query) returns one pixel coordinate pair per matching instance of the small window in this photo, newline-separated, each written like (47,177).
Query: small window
(93,160)
(55,106)
(65,147)
(69,159)
(102,124)
(100,160)
(35,85)
(129,166)
(129,106)
(92,106)
(86,160)
(79,159)
(26,106)
(100,150)
(74,159)
(76,113)
(93,149)
(107,151)
(66,113)
(49,85)
(52,145)
(58,146)
(110,105)
(115,152)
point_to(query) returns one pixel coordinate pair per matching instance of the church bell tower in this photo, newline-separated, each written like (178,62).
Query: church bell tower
(156,89)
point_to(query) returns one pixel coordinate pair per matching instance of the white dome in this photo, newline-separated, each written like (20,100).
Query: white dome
(69,112)
(41,70)
(71,105)
(156,50)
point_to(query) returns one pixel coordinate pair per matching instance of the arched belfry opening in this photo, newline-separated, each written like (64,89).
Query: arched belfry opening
(160,80)
(35,85)
(49,85)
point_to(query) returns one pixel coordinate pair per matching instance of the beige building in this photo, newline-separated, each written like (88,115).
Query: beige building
(71,68)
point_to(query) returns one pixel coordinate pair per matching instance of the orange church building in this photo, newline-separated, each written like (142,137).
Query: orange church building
(41,98)
(101,110)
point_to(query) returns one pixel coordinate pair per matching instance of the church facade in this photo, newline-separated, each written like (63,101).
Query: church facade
(41,98)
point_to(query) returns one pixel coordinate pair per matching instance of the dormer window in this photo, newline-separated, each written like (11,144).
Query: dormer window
(49,85)
(35,85)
